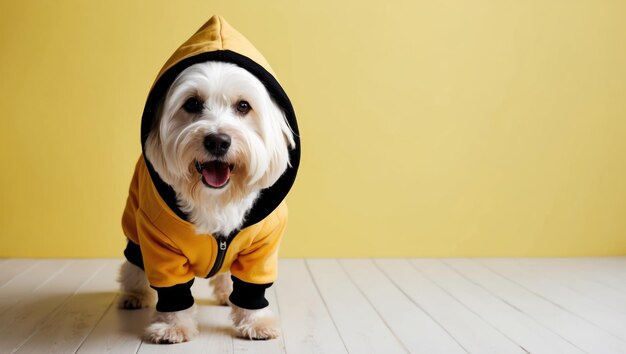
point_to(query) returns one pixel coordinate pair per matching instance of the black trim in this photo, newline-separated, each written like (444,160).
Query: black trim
(247,295)
(132,252)
(174,298)
(271,197)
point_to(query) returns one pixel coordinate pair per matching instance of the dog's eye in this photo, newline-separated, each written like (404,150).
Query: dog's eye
(192,105)
(243,107)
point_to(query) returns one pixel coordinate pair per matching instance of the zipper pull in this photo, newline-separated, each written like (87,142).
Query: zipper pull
(222,245)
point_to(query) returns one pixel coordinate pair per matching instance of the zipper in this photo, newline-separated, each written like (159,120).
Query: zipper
(222,247)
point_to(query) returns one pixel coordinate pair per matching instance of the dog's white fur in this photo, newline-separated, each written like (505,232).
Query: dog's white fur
(222,287)
(259,147)
(261,324)
(136,292)
(173,327)
(260,142)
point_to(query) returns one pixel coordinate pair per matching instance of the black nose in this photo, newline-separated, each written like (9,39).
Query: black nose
(217,144)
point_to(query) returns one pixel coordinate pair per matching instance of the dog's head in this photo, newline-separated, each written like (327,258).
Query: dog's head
(218,132)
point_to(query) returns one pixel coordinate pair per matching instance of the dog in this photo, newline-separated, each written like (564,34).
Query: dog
(220,151)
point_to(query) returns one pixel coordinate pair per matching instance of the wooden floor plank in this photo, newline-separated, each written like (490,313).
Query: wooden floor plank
(416,330)
(26,282)
(306,323)
(471,331)
(577,331)
(608,272)
(119,331)
(361,328)
(22,320)
(338,306)
(568,276)
(517,326)
(74,320)
(10,268)
(602,316)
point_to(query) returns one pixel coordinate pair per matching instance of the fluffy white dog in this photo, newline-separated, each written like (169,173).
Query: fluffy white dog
(221,149)
(219,140)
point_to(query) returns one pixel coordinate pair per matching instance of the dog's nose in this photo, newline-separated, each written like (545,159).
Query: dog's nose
(217,144)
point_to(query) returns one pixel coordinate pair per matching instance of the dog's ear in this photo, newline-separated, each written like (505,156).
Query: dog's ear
(287,131)
(280,141)
(279,123)
(153,147)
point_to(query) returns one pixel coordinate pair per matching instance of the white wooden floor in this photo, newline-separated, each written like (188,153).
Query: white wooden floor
(337,306)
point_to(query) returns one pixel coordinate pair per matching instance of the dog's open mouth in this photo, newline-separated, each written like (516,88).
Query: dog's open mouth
(215,174)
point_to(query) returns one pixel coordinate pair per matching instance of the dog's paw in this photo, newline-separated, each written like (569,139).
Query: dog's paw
(172,327)
(255,324)
(258,331)
(166,333)
(131,301)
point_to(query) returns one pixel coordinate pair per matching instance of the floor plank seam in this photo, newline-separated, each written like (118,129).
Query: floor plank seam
(465,306)
(558,280)
(54,275)
(46,317)
(415,305)
(97,323)
(373,307)
(511,305)
(420,307)
(281,338)
(555,304)
(58,307)
(306,263)
(19,274)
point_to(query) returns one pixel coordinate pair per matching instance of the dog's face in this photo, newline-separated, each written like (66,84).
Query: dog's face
(218,132)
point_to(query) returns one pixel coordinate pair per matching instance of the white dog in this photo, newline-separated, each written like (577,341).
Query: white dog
(219,140)
(220,153)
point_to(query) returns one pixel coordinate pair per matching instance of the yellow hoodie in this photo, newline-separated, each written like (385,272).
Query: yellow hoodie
(162,241)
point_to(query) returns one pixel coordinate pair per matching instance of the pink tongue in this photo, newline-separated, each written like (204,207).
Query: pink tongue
(216,173)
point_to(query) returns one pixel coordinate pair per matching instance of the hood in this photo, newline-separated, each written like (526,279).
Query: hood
(216,40)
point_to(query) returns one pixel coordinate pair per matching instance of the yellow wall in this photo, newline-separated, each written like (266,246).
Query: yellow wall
(430,128)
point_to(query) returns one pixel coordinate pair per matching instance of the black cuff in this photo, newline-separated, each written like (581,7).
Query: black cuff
(133,254)
(247,295)
(174,298)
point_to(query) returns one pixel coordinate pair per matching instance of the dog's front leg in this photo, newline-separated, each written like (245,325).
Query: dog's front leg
(135,291)
(222,287)
(254,324)
(173,327)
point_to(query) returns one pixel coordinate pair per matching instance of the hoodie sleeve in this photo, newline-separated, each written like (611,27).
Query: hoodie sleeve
(167,269)
(255,268)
